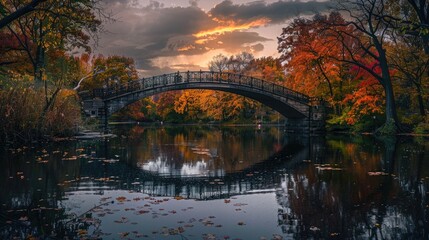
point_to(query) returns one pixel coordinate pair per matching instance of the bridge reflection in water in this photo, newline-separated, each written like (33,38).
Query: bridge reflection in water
(188,170)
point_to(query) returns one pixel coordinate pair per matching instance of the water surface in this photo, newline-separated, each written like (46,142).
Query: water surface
(191,182)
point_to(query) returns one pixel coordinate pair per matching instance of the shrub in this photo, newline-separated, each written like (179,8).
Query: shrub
(23,117)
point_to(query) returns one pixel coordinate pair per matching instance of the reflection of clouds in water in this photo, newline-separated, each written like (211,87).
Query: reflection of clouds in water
(198,168)
(159,165)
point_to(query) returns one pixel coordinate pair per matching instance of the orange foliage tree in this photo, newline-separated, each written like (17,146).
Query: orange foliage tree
(309,54)
(366,99)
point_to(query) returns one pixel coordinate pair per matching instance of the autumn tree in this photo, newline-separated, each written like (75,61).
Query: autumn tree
(8,17)
(412,67)
(310,56)
(189,104)
(11,53)
(365,42)
(409,56)
(56,24)
(109,72)
(143,110)
(365,100)
(235,63)
(219,63)
(413,19)
(165,106)
(267,68)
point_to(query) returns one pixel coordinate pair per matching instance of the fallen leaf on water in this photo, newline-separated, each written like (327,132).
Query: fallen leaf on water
(124,234)
(121,199)
(277,237)
(142,212)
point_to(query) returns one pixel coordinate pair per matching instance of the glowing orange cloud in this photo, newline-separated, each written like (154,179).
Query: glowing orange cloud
(232,27)
(186,48)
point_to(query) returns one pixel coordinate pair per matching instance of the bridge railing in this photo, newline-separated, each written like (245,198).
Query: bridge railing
(195,77)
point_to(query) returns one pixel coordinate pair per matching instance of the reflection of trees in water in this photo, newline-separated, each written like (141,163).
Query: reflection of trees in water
(379,193)
(32,193)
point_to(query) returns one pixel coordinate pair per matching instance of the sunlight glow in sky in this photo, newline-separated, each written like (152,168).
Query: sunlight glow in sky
(178,35)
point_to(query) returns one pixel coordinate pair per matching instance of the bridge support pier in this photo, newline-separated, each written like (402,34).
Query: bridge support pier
(314,123)
(97,108)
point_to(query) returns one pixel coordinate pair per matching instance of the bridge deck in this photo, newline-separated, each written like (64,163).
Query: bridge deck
(178,78)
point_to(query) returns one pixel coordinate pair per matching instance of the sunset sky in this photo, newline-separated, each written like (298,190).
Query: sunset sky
(175,35)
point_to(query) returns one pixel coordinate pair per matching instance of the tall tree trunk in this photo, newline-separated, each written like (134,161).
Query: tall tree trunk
(38,68)
(421,102)
(39,64)
(390,103)
(386,81)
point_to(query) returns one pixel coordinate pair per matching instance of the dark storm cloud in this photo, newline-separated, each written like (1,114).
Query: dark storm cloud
(277,12)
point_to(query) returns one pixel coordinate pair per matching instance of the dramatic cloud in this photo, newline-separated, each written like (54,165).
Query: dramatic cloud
(162,38)
(274,13)
(151,31)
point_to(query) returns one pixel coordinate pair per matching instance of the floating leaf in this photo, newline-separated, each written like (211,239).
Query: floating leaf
(121,199)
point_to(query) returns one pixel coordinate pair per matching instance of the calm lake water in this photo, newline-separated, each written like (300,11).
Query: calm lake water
(200,182)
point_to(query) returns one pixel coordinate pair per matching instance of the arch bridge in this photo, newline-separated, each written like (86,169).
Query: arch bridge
(303,113)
